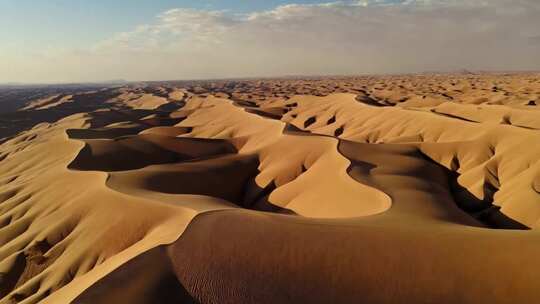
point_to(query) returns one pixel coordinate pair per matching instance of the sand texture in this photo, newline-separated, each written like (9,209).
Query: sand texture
(374,189)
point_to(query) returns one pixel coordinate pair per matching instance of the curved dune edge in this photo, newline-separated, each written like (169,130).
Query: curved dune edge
(493,161)
(333,173)
(56,243)
(474,154)
(315,171)
(446,239)
(423,209)
(316,163)
(90,221)
(431,206)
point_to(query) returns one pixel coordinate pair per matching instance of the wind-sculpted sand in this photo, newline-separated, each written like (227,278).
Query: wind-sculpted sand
(397,189)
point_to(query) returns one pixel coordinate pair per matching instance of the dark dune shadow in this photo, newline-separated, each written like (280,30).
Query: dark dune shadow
(434,111)
(176,165)
(99,112)
(135,152)
(9,279)
(257,198)
(370,101)
(148,278)
(204,176)
(484,210)
(310,121)
(171,106)
(294,130)
(244,103)
(272,114)
(15,122)
(115,114)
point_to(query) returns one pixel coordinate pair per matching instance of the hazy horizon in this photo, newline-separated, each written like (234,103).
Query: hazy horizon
(81,42)
(115,81)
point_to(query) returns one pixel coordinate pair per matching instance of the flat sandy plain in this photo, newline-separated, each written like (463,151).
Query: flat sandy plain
(388,189)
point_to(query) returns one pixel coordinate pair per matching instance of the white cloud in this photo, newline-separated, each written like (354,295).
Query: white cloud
(366,36)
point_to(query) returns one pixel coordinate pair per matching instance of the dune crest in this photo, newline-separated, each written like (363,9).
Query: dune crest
(274,191)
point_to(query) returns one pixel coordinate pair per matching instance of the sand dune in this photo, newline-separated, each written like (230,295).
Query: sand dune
(397,189)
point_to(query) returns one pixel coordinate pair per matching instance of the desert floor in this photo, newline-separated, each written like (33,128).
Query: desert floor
(373,189)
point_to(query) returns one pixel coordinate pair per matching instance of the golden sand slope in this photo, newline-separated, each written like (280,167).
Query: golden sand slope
(169,194)
(63,227)
(495,161)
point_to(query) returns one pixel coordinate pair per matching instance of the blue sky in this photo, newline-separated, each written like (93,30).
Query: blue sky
(49,41)
(79,22)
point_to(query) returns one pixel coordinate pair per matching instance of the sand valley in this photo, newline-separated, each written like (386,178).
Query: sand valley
(371,189)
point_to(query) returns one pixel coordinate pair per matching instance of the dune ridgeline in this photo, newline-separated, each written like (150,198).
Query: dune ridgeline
(398,189)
